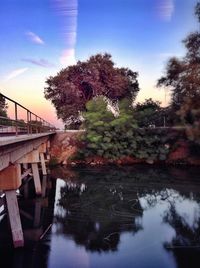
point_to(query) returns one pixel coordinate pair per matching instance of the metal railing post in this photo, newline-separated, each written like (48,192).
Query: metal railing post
(30,124)
(36,127)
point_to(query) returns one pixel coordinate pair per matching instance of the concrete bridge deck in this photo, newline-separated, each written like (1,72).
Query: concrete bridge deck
(7,140)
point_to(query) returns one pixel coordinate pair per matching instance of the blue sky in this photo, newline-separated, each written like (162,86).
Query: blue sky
(38,38)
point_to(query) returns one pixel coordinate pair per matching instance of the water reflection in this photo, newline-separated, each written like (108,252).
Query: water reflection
(95,215)
(37,218)
(143,217)
(140,216)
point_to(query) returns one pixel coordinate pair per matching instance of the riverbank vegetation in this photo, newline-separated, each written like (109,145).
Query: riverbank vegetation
(97,96)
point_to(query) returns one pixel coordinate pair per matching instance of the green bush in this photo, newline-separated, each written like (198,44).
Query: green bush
(115,137)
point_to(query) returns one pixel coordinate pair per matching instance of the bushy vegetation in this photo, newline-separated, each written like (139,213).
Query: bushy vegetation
(115,137)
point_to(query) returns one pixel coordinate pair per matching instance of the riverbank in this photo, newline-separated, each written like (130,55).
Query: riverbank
(65,148)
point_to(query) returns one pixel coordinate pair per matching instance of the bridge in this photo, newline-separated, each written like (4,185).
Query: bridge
(24,150)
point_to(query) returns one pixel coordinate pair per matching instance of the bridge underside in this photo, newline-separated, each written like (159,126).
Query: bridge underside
(20,156)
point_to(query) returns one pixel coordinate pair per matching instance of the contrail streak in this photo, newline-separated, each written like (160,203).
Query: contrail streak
(68,11)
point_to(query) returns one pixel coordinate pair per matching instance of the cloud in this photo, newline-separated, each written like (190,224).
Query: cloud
(68,13)
(15,73)
(166,9)
(35,38)
(41,62)
(68,57)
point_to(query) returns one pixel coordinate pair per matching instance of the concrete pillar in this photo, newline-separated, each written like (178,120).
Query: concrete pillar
(36,178)
(14,218)
(10,181)
(44,170)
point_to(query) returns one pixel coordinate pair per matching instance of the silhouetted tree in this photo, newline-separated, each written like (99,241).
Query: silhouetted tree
(73,86)
(182,77)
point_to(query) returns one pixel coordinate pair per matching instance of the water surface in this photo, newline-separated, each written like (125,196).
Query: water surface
(119,217)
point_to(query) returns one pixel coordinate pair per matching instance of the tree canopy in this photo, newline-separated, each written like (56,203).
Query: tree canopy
(182,77)
(74,86)
(149,113)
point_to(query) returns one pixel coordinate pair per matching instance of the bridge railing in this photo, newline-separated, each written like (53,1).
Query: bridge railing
(31,124)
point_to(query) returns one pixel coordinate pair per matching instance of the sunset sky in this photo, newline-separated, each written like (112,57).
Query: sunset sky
(38,38)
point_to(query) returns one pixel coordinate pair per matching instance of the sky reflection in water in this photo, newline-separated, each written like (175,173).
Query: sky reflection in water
(128,217)
(141,217)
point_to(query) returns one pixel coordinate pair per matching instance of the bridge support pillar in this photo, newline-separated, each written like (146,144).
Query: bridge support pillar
(14,218)
(44,170)
(48,150)
(10,180)
(42,151)
(36,178)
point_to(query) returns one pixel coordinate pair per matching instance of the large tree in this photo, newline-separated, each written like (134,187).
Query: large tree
(182,77)
(74,86)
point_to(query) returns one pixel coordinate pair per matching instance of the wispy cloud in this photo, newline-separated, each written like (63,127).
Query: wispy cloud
(68,13)
(35,38)
(15,73)
(68,57)
(41,62)
(166,9)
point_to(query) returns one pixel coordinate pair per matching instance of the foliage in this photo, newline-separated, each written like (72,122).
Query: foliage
(53,162)
(183,78)
(116,137)
(73,86)
(73,125)
(150,113)
(3,106)
(197,11)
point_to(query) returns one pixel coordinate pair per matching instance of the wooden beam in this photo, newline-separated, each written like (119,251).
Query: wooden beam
(36,178)
(44,170)
(32,157)
(48,150)
(12,153)
(26,173)
(14,218)
(10,177)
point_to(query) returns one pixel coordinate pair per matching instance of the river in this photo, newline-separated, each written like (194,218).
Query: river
(141,217)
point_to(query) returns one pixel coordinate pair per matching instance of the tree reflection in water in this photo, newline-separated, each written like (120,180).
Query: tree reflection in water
(96,214)
(96,206)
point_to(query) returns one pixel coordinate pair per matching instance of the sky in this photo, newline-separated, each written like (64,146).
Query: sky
(39,38)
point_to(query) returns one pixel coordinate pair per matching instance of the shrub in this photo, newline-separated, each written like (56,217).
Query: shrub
(115,137)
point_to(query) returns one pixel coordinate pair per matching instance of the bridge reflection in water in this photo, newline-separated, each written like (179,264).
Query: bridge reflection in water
(111,217)
(37,217)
